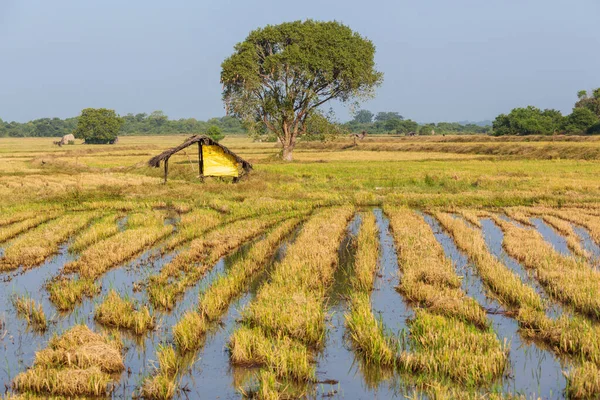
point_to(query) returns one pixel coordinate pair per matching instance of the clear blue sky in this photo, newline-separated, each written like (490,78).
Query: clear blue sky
(442,59)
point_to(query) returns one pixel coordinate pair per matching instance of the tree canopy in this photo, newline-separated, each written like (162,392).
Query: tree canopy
(388,115)
(281,74)
(214,132)
(363,117)
(134,124)
(98,125)
(584,119)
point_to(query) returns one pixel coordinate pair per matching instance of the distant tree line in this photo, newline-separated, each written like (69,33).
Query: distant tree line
(583,120)
(155,123)
(390,122)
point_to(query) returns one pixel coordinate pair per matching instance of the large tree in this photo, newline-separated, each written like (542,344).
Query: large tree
(280,75)
(363,117)
(387,115)
(98,125)
(529,121)
(592,102)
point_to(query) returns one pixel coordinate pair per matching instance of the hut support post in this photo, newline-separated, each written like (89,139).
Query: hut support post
(200,161)
(166,168)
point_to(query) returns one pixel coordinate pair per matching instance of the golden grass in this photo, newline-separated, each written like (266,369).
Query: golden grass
(144,230)
(115,179)
(367,332)
(78,363)
(66,382)
(30,310)
(124,313)
(428,277)
(569,280)
(367,254)
(189,331)
(565,228)
(506,286)
(189,266)
(292,302)
(215,301)
(470,216)
(584,382)
(519,214)
(579,217)
(192,226)
(99,230)
(448,347)
(284,356)
(217,298)
(10,217)
(14,229)
(35,246)
(287,317)
(163,385)
(574,336)
(65,293)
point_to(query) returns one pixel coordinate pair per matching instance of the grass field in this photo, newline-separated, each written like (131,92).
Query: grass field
(461,267)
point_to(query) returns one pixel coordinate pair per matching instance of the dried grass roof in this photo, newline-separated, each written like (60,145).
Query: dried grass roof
(204,140)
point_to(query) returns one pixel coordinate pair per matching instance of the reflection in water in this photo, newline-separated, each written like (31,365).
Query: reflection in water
(534,371)
(549,234)
(212,372)
(494,237)
(350,377)
(385,299)
(589,245)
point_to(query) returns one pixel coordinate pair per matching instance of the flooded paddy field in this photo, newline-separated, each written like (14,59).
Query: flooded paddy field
(373,272)
(229,337)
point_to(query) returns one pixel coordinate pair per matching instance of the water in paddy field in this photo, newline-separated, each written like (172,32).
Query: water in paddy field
(557,241)
(589,245)
(534,371)
(340,372)
(18,342)
(493,237)
(386,301)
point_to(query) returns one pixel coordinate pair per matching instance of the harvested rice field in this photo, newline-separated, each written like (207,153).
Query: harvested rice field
(422,268)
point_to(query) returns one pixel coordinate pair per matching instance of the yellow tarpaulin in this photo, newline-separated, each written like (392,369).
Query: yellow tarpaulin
(218,163)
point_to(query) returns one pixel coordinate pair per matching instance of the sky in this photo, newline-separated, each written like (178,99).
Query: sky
(443,60)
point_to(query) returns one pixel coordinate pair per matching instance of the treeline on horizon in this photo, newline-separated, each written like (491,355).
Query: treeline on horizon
(158,123)
(389,122)
(155,123)
(583,120)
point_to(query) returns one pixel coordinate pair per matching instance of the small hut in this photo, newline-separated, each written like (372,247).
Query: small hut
(214,159)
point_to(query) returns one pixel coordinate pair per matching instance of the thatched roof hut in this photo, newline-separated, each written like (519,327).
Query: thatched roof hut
(214,159)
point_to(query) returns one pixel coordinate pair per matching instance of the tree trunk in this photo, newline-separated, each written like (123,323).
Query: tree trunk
(287,152)
(289,142)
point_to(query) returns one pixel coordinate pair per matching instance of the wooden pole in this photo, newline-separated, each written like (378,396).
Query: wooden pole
(200,161)
(166,168)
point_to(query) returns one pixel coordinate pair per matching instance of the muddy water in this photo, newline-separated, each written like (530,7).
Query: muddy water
(534,372)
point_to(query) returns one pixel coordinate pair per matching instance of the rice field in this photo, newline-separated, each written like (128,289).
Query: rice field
(422,268)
